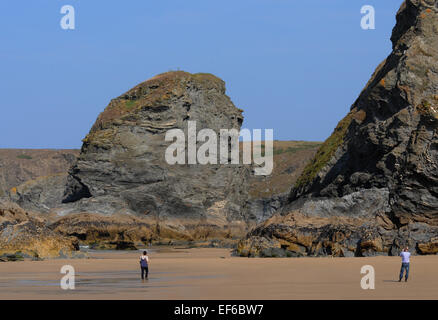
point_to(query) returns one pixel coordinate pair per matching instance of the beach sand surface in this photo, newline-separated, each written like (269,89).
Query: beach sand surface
(203,274)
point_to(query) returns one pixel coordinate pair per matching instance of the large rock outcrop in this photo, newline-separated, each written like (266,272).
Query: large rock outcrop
(122,166)
(26,235)
(41,194)
(121,192)
(373,185)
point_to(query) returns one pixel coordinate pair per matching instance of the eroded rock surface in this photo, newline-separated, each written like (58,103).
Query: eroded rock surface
(121,192)
(26,235)
(122,166)
(379,168)
(18,166)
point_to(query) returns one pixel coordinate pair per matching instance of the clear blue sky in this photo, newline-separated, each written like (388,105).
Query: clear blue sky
(295,66)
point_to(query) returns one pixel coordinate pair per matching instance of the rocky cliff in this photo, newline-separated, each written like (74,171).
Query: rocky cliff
(267,194)
(373,185)
(18,166)
(122,166)
(26,235)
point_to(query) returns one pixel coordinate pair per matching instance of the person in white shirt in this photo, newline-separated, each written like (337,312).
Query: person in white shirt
(405,254)
(144,265)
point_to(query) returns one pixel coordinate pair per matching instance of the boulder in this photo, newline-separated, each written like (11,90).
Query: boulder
(25,235)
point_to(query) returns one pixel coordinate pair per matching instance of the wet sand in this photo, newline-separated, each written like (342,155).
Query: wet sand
(214,274)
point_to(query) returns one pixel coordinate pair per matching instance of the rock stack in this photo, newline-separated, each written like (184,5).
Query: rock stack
(122,166)
(373,185)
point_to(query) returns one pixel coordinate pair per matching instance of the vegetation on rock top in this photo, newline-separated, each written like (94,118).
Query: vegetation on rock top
(325,152)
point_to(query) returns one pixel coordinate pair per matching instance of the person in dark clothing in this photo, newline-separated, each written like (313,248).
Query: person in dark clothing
(144,265)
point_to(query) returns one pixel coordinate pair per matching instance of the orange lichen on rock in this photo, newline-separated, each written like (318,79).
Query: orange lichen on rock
(360,116)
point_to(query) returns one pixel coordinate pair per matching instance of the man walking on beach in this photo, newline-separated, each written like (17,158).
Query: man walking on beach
(144,265)
(405,254)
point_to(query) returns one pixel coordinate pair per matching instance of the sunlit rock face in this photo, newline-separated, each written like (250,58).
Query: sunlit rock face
(122,165)
(373,185)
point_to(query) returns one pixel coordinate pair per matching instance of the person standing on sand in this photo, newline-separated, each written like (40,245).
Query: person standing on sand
(144,265)
(405,254)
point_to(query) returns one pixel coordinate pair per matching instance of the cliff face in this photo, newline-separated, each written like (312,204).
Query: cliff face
(122,166)
(267,194)
(389,138)
(21,165)
(121,190)
(373,184)
(25,235)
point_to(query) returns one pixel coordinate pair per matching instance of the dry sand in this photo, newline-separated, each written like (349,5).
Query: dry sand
(214,274)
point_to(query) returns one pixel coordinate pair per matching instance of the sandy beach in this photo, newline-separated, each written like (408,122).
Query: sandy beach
(214,274)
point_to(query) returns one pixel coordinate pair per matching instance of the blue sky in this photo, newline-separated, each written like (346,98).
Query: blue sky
(294,66)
